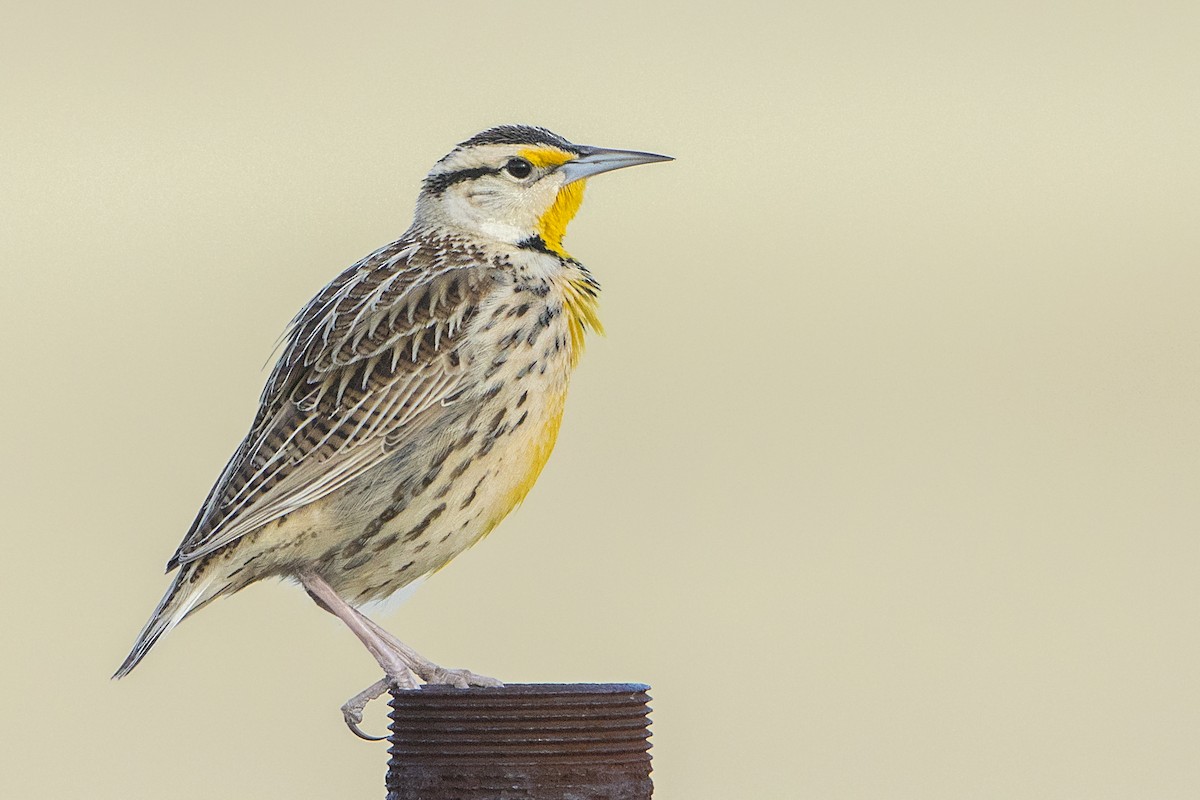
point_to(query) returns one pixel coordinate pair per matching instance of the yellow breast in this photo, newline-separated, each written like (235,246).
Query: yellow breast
(528,464)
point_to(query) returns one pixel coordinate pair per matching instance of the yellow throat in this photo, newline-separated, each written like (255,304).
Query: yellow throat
(579,295)
(553,224)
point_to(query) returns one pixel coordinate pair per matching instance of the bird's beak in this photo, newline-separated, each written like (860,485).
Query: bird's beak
(595,160)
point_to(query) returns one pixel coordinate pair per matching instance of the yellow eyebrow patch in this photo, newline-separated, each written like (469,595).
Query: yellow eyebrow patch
(544,157)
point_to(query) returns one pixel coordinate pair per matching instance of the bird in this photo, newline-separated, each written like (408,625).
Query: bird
(414,403)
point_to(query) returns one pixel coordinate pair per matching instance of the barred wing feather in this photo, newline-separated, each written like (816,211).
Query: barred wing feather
(373,354)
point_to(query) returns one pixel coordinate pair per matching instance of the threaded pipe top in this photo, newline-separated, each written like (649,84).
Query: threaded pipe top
(529,741)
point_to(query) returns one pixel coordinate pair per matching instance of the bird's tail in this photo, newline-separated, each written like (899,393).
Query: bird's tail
(187,593)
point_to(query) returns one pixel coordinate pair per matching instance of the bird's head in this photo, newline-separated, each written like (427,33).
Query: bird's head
(516,184)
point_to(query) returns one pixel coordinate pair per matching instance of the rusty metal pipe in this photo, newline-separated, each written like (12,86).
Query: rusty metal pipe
(582,741)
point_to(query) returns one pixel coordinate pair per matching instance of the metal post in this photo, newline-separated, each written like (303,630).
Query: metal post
(574,741)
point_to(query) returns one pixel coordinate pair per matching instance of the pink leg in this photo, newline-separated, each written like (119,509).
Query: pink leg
(426,669)
(401,663)
(398,672)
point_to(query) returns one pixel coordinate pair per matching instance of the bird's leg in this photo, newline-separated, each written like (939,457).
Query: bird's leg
(426,669)
(394,664)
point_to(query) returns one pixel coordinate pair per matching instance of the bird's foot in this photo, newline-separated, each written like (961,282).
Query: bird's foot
(352,709)
(425,669)
(462,678)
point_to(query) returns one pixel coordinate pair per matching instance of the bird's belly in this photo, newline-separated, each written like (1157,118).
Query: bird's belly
(445,489)
(452,477)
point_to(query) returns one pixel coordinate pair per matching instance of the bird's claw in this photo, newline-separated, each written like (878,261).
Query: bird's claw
(352,719)
(352,710)
(460,678)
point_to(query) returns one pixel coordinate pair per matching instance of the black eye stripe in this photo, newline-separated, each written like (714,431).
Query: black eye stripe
(439,183)
(517,167)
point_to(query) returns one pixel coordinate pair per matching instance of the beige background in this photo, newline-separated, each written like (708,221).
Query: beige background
(885,476)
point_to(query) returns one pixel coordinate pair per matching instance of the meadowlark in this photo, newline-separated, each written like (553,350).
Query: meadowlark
(414,404)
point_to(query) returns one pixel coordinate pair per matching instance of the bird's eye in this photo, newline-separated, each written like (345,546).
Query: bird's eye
(518,168)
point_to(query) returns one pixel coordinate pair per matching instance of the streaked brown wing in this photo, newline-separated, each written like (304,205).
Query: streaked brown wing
(375,350)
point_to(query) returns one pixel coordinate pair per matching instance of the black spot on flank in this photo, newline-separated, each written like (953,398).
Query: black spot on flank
(528,368)
(373,591)
(457,473)
(401,491)
(357,562)
(356,546)
(520,310)
(453,358)
(524,396)
(441,457)
(465,440)
(386,542)
(392,510)
(429,478)
(436,184)
(471,497)
(518,423)
(420,527)
(407,566)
